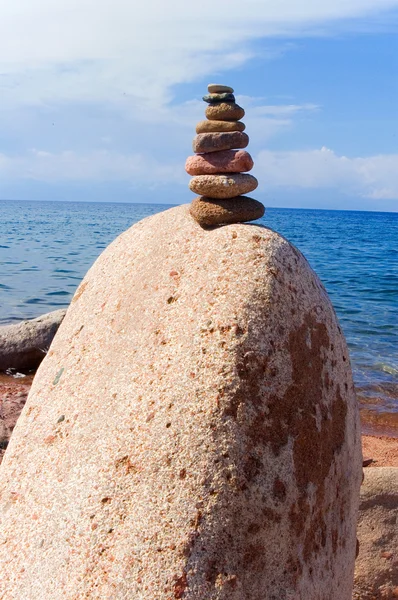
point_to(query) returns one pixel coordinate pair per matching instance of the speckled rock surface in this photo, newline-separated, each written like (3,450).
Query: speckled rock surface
(376,568)
(211,126)
(223,186)
(226,161)
(225,111)
(241,209)
(213,142)
(192,433)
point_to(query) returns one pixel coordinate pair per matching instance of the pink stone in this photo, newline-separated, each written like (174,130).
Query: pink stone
(227,161)
(210,445)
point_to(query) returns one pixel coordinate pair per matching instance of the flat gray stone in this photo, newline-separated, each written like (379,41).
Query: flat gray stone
(24,345)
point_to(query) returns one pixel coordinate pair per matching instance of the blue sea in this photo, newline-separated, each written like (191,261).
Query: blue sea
(47,247)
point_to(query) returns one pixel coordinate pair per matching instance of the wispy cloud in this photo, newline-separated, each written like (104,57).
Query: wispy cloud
(101,165)
(86,50)
(371,177)
(79,75)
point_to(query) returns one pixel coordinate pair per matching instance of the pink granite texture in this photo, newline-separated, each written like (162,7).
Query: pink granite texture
(193,432)
(226,161)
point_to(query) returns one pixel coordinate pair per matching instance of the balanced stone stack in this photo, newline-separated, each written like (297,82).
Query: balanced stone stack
(220,165)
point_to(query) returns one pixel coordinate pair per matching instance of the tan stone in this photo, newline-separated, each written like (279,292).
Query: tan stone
(216,88)
(223,186)
(208,212)
(192,433)
(376,568)
(225,111)
(214,126)
(214,142)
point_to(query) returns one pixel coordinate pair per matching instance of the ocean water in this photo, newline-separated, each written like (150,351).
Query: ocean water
(47,247)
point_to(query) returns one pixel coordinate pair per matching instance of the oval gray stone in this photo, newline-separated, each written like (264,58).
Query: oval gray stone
(216,88)
(210,446)
(24,345)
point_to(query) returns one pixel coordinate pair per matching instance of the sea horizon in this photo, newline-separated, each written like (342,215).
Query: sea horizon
(169,204)
(46,247)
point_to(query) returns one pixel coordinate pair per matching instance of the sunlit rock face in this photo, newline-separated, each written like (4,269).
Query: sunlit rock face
(192,433)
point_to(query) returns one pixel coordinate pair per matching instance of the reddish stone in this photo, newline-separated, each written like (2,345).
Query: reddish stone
(226,161)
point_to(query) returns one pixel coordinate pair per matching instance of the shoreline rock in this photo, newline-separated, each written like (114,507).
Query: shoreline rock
(24,345)
(376,568)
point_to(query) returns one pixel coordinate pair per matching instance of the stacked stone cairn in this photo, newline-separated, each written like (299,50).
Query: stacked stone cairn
(219,167)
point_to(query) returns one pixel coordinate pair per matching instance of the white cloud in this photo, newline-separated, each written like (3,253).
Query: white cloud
(99,55)
(99,50)
(372,177)
(96,166)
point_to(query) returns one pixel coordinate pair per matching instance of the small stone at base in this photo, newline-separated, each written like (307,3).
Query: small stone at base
(217,88)
(241,209)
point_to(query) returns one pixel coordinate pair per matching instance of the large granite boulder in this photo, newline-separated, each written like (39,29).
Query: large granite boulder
(376,569)
(193,432)
(24,345)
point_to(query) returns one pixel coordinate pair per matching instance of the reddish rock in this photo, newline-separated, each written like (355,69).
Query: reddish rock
(208,212)
(193,431)
(223,186)
(226,161)
(376,568)
(213,142)
(225,111)
(13,394)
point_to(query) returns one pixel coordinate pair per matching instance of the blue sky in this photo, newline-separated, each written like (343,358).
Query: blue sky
(99,100)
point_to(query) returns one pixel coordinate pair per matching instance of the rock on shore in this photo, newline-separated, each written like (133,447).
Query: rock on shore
(192,433)
(24,345)
(376,569)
